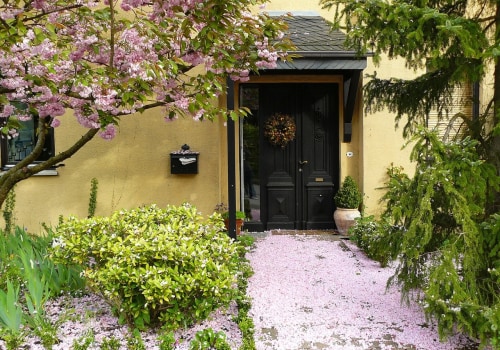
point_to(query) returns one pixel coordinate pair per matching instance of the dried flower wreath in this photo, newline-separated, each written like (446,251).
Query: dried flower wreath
(280,129)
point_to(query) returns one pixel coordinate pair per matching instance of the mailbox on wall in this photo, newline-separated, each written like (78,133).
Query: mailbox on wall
(184,161)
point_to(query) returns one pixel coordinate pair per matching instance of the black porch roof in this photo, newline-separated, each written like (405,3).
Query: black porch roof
(313,35)
(318,46)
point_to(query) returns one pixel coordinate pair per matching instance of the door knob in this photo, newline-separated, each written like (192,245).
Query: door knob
(302,162)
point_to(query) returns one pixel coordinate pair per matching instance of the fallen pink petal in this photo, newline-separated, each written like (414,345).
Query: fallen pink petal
(312,292)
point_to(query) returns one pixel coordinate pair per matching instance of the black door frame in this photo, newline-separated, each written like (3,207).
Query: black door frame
(337,78)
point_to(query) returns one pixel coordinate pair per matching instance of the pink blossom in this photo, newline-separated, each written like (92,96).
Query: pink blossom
(55,123)
(109,132)
(89,121)
(84,91)
(129,4)
(46,50)
(52,109)
(13,133)
(199,115)
(39,4)
(182,103)
(76,67)
(9,14)
(13,83)
(24,117)
(7,111)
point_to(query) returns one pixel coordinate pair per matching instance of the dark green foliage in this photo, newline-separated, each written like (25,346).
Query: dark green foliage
(208,339)
(154,266)
(473,308)
(8,211)
(245,322)
(93,197)
(436,227)
(23,256)
(447,208)
(436,35)
(223,210)
(28,279)
(348,196)
(378,239)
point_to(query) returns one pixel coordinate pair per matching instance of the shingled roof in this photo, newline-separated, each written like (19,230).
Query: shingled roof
(313,36)
(318,46)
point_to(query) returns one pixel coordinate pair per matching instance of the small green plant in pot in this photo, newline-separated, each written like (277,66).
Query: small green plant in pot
(347,200)
(223,210)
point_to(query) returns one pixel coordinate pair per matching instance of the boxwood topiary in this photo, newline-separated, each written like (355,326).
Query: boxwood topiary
(348,196)
(154,265)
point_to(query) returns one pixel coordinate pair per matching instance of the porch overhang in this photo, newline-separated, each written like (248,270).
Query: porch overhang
(321,50)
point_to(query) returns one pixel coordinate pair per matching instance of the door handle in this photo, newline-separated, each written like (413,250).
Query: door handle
(302,163)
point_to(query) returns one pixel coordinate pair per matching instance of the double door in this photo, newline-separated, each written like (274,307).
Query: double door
(297,181)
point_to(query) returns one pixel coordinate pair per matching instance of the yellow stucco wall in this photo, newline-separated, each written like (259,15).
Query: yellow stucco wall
(381,142)
(132,170)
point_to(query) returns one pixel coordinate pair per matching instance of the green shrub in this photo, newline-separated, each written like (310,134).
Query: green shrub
(154,265)
(28,278)
(8,211)
(94,183)
(209,339)
(451,301)
(348,196)
(450,248)
(23,255)
(376,238)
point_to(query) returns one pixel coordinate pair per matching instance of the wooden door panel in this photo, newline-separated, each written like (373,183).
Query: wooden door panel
(297,181)
(281,207)
(319,148)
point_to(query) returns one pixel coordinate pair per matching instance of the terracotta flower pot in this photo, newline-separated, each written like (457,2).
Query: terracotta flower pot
(344,219)
(239,224)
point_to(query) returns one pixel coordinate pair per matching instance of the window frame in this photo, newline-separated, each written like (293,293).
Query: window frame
(49,147)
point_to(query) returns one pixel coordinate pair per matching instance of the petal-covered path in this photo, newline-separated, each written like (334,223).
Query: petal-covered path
(319,292)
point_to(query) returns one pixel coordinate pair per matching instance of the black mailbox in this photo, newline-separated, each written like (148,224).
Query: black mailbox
(184,161)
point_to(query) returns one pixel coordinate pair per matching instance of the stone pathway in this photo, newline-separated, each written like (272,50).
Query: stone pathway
(321,292)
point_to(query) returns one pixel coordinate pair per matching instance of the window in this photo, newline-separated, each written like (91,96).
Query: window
(17,148)
(250,178)
(451,123)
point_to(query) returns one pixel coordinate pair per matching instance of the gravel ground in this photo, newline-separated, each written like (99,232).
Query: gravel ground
(91,314)
(309,292)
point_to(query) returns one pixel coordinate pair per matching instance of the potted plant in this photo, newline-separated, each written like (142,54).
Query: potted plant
(223,210)
(347,200)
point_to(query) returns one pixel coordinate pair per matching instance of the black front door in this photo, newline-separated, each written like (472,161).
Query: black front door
(296,182)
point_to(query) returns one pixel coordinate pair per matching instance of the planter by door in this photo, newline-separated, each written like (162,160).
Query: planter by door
(344,219)
(239,224)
